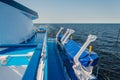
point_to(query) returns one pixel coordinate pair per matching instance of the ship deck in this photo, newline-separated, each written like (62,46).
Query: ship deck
(18,64)
(55,70)
(21,51)
(17,60)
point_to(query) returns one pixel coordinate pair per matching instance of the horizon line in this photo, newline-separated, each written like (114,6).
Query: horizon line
(72,23)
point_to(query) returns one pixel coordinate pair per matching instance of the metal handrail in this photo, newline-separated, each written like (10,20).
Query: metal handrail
(59,32)
(36,65)
(30,73)
(17,45)
(40,71)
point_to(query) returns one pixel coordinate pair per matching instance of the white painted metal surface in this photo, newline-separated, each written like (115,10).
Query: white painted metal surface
(15,27)
(66,33)
(59,32)
(71,31)
(90,39)
(40,72)
(83,73)
(12,72)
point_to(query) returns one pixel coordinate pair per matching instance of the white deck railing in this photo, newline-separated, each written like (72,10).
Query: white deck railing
(40,71)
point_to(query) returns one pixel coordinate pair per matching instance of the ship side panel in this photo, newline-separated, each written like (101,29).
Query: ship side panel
(15,27)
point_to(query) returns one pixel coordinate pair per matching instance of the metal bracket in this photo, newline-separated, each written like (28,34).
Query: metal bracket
(59,32)
(82,72)
(70,31)
(65,35)
(90,39)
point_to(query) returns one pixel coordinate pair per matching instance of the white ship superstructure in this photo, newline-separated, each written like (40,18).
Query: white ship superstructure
(15,22)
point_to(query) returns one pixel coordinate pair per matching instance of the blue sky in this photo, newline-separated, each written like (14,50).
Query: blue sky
(75,11)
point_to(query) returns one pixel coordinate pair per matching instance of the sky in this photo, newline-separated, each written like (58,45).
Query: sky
(75,11)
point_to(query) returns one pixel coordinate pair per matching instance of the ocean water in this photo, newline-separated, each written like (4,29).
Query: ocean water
(107,45)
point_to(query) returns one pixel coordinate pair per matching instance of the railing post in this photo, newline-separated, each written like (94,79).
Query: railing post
(59,32)
(68,35)
(90,39)
(65,35)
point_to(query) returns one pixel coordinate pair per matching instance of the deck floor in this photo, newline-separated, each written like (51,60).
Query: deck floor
(55,71)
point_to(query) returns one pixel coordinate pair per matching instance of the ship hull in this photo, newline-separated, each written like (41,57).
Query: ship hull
(15,26)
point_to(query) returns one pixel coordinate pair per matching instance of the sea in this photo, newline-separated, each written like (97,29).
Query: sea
(107,45)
